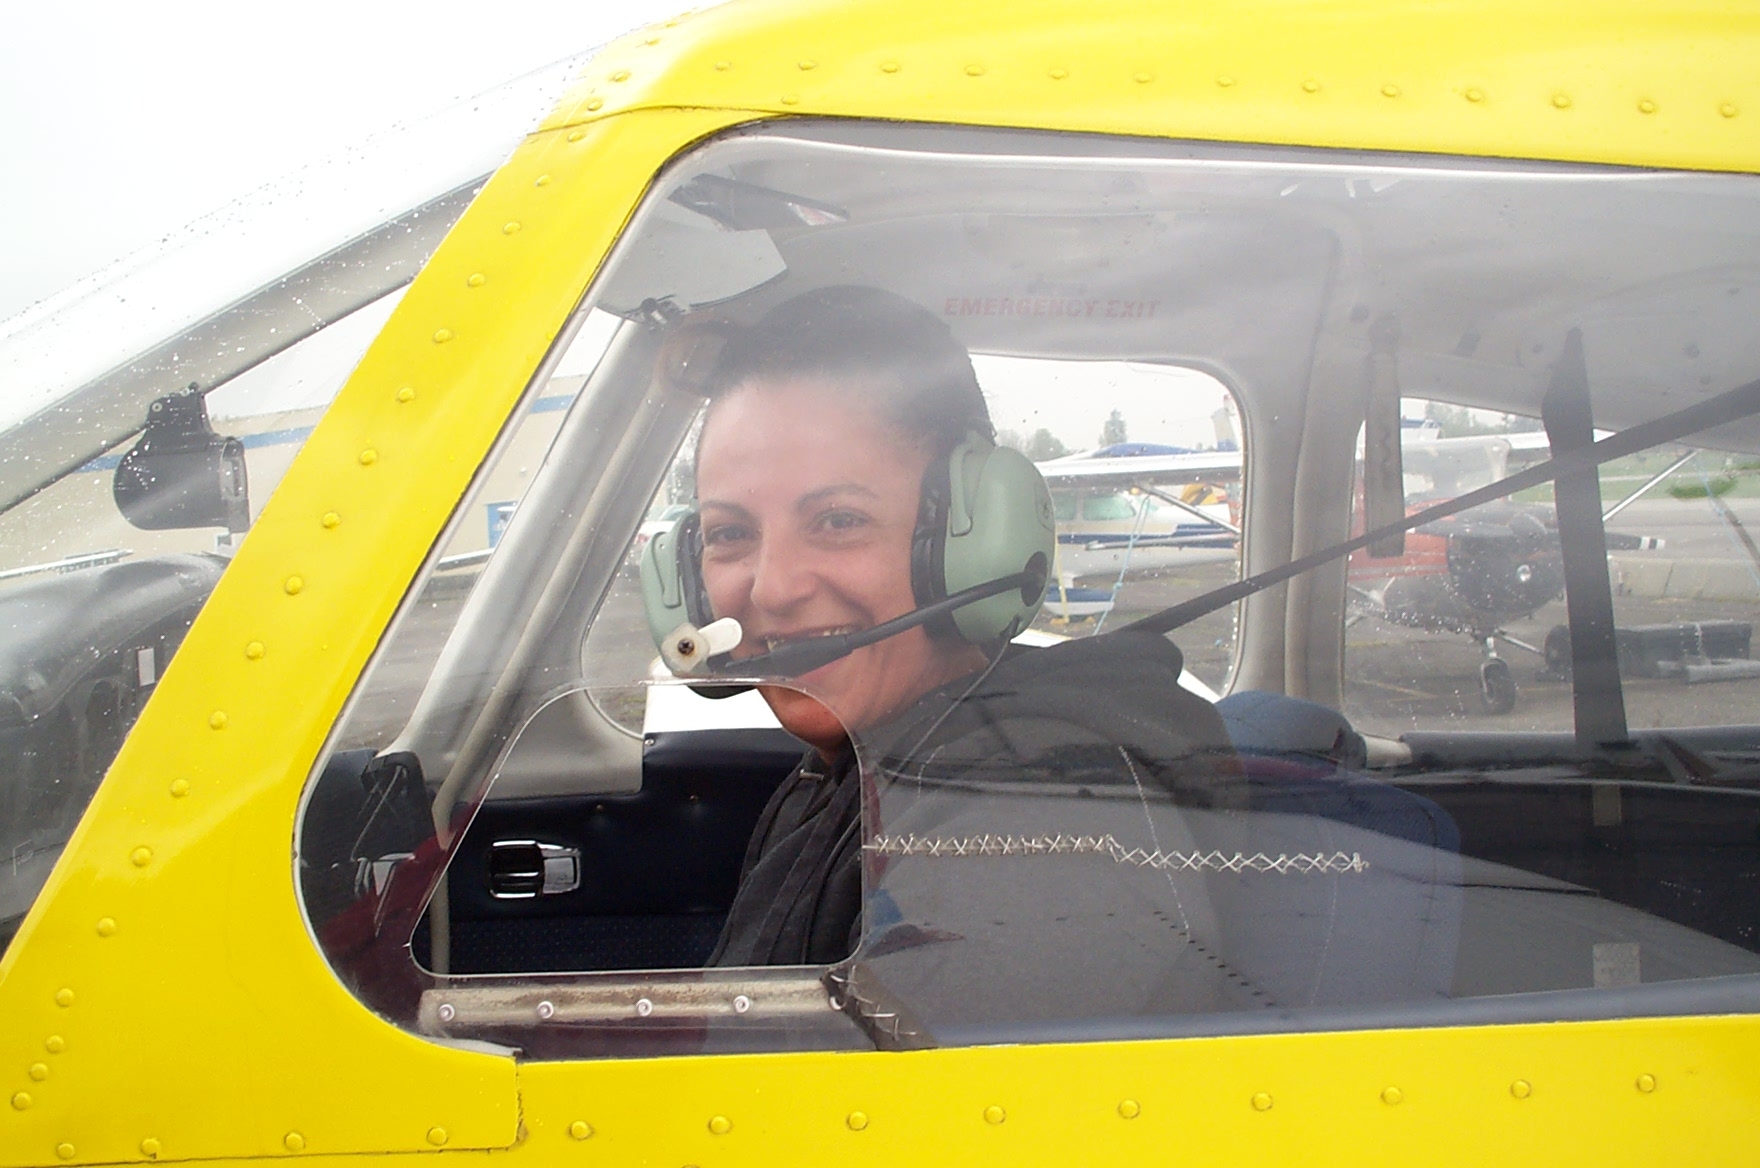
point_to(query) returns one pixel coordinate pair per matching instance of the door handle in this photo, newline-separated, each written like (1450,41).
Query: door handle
(521,869)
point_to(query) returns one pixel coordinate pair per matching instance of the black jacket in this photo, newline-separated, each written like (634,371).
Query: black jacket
(1102,710)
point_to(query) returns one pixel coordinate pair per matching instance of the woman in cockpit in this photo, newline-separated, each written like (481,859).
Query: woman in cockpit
(847,476)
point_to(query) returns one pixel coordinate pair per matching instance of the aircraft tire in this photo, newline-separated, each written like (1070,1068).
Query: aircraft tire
(1497,686)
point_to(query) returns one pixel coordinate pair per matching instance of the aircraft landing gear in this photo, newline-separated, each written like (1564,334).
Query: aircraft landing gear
(1497,685)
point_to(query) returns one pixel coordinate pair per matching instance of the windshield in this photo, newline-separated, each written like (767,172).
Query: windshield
(150,412)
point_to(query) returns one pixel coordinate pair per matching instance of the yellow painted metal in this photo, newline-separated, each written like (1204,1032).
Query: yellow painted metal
(1621,81)
(176,1008)
(1274,1100)
(201,1016)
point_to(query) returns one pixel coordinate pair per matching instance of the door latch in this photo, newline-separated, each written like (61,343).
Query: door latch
(523,869)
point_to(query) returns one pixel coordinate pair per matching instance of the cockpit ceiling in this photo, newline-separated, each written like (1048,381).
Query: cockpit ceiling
(1248,261)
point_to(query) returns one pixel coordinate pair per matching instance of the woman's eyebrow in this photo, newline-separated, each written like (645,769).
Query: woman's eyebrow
(813,498)
(718,505)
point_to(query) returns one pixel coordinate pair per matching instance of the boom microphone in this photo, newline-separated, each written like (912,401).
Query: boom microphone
(684,646)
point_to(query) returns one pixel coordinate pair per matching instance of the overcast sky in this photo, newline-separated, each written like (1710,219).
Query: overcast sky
(120,122)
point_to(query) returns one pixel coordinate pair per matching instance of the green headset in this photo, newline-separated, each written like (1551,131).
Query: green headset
(985,514)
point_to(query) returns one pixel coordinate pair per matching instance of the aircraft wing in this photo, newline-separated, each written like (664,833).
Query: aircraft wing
(1204,466)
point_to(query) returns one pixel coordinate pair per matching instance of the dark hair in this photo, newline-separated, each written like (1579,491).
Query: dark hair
(899,358)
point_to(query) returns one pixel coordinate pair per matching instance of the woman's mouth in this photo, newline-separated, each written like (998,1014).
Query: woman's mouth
(775,641)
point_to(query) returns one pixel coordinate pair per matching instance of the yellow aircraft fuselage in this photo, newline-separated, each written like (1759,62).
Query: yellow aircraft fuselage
(165,1000)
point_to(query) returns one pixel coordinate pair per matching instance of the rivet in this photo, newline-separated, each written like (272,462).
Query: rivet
(542,180)
(475,280)
(150,1147)
(576,135)
(1392,1096)
(1521,1088)
(441,336)
(741,1003)
(580,1129)
(1646,106)
(294,585)
(217,720)
(141,857)
(55,1044)
(546,1010)
(369,456)
(106,926)
(994,1114)
(64,998)
(1561,101)
(1261,1101)
(65,1151)
(1059,74)
(791,99)
(1129,1109)
(974,70)
(511,227)
(1390,91)
(406,395)
(857,1120)
(1728,109)
(180,787)
(652,41)
(293,1142)
(1143,78)
(21,1101)
(594,104)
(447,1012)
(621,75)
(720,1125)
(1310,86)
(807,66)
(437,1136)
(644,1007)
(1225,81)
(1475,95)
(889,66)
(39,1071)
(723,66)
(1646,1083)
(330,521)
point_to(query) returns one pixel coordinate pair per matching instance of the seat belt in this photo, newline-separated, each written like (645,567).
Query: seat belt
(1730,406)
(1588,596)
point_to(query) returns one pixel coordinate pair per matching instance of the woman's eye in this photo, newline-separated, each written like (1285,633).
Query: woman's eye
(723,534)
(842,520)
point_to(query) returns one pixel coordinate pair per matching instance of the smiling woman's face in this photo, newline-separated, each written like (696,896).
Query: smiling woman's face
(808,506)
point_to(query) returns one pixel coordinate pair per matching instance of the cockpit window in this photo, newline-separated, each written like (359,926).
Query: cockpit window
(926,600)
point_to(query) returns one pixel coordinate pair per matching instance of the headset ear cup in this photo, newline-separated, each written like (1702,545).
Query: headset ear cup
(672,579)
(690,570)
(998,522)
(928,549)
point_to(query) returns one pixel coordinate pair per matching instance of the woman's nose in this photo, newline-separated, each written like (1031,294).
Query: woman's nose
(782,580)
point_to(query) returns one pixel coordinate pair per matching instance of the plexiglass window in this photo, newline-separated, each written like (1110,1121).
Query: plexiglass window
(926,599)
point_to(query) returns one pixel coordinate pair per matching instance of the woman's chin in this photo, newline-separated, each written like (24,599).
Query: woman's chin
(807,718)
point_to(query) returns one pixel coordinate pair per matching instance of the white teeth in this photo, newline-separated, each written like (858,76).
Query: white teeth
(771,644)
